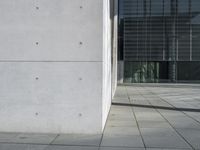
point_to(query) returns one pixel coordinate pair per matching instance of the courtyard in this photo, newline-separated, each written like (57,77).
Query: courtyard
(142,117)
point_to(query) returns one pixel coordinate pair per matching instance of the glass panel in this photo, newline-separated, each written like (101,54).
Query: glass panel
(167,7)
(183,6)
(158,37)
(142,72)
(156,7)
(195,21)
(189,71)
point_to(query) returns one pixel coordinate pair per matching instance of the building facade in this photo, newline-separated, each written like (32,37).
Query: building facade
(159,40)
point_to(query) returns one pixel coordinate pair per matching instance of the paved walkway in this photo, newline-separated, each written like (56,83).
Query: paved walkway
(142,117)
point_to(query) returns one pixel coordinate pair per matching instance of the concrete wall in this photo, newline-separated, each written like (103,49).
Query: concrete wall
(55,72)
(114,45)
(106,60)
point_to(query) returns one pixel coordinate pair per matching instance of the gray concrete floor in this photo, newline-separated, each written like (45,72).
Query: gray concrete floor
(142,117)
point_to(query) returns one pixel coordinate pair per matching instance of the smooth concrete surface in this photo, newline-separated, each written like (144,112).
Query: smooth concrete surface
(55,66)
(48,98)
(51,30)
(114,45)
(107,67)
(139,125)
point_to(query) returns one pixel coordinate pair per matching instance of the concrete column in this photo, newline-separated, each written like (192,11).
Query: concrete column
(115,45)
(172,63)
(55,66)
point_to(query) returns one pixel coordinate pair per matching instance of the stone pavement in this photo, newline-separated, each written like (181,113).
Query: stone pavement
(142,117)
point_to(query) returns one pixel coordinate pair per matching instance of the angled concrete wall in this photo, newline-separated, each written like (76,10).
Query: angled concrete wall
(114,38)
(55,65)
(106,89)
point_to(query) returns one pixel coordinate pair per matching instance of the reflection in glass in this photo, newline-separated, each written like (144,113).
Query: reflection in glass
(160,31)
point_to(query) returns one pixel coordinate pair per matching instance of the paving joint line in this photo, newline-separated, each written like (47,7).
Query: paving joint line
(133,112)
(170,124)
(99,147)
(175,107)
(54,139)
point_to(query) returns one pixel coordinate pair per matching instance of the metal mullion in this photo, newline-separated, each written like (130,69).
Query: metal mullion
(137,30)
(190,15)
(163,30)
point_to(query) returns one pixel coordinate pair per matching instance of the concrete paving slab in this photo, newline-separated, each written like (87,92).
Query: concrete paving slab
(34,138)
(168,149)
(7,137)
(53,147)
(78,139)
(128,115)
(21,147)
(122,141)
(155,117)
(142,109)
(161,132)
(162,138)
(139,102)
(122,118)
(121,131)
(120,110)
(187,123)
(120,93)
(180,120)
(165,142)
(171,113)
(148,114)
(120,123)
(159,103)
(153,124)
(194,115)
(192,136)
(121,100)
(120,148)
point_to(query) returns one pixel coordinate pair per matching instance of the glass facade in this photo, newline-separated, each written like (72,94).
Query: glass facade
(159,40)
